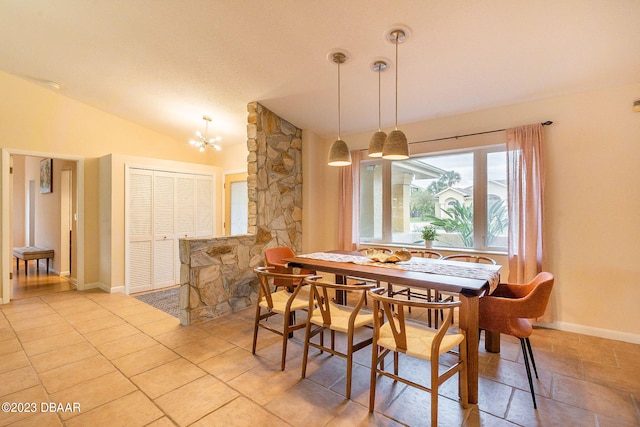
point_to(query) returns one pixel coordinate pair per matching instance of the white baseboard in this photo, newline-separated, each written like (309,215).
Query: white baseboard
(592,331)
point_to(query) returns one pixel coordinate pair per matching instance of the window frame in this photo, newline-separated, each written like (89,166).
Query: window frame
(480,148)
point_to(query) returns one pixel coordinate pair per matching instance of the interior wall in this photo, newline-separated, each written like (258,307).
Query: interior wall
(591,204)
(20,187)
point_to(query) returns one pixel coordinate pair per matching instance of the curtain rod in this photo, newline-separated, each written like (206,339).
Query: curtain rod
(547,123)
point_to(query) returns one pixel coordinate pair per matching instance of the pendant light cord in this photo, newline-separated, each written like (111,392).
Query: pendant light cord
(397,37)
(379,98)
(339,100)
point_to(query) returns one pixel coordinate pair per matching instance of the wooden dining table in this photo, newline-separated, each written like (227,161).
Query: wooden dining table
(469,290)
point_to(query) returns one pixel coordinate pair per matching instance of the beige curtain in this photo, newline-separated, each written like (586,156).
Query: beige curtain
(525,199)
(349,204)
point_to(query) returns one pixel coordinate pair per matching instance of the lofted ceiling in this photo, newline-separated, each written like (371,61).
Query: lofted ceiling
(166,63)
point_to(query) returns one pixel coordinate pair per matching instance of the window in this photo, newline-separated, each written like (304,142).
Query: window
(462,193)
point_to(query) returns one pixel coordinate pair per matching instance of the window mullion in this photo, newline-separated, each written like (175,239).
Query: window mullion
(480,200)
(386,204)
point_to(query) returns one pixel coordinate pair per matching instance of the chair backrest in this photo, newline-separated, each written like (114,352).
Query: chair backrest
(320,299)
(373,250)
(471,258)
(427,254)
(513,301)
(274,256)
(267,277)
(394,312)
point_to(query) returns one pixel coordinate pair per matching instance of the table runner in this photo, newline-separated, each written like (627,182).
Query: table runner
(475,272)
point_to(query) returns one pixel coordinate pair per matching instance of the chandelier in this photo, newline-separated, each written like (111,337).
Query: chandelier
(202,141)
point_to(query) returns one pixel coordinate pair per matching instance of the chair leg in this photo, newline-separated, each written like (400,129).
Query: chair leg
(533,362)
(435,380)
(526,364)
(255,330)
(372,380)
(305,352)
(285,340)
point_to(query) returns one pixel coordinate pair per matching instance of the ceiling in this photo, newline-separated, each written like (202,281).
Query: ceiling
(166,63)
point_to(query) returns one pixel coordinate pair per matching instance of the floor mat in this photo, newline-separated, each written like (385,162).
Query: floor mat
(166,301)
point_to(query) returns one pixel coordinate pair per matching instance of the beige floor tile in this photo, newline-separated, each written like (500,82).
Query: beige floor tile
(595,398)
(35,322)
(46,331)
(307,404)
(18,379)
(108,335)
(94,314)
(94,392)
(624,378)
(160,327)
(35,394)
(231,364)
(6,332)
(162,422)
(413,407)
(132,410)
(132,309)
(55,342)
(265,382)
(93,325)
(515,375)
(181,336)
(26,312)
(75,308)
(203,349)
(40,419)
(55,358)
(550,412)
(10,345)
(148,316)
(241,412)
(75,373)
(354,414)
(12,361)
(126,345)
(478,418)
(195,400)
(143,360)
(167,377)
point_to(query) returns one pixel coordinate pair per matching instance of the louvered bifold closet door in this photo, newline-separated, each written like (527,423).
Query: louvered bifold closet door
(204,206)
(140,230)
(164,259)
(185,213)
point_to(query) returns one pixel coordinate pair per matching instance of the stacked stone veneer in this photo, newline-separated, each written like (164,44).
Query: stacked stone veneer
(216,275)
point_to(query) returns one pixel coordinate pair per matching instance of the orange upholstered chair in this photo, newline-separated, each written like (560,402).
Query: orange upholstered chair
(508,309)
(274,258)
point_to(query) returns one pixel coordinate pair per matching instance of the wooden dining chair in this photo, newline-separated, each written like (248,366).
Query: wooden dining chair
(393,333)
(470,258)
(424,296)
(325,314)
(479,259)
(508,310)
(283,302)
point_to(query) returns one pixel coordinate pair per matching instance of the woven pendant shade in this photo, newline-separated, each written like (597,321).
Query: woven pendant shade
(396,146)
(376,143)
(339,154)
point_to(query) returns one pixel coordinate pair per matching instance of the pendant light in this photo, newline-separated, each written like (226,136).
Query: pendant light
(377,139)
(339,154)
(396,146)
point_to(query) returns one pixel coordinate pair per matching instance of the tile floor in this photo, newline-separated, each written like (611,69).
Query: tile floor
(126,363)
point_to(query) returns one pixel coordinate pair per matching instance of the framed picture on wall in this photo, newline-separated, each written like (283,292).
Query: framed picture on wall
(46,175)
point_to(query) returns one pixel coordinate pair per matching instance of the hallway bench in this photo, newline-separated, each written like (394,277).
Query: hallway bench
(28,253)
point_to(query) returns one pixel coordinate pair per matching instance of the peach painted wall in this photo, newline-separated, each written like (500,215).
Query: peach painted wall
(592,158)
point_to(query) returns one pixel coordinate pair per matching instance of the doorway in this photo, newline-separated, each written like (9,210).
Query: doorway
(23,285)
(236,201)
